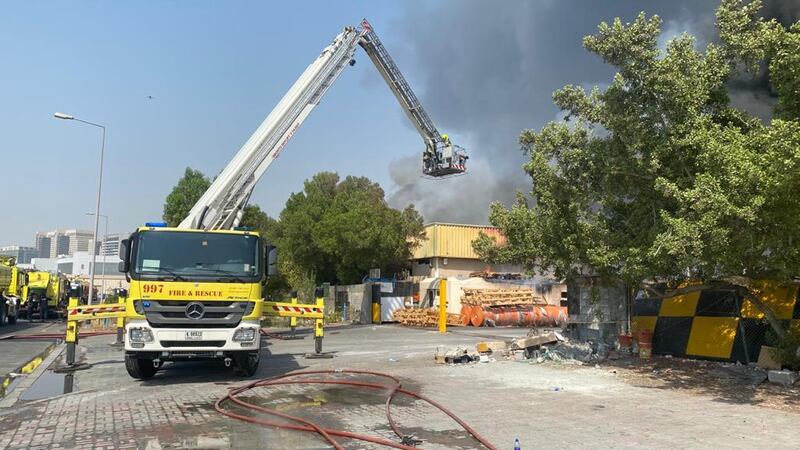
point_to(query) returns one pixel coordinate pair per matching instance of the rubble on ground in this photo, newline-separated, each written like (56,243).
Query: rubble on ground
(784,377)
(538,347)
(455,355)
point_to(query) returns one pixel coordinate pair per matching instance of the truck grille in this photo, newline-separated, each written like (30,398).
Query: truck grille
(172,313)
(170,344)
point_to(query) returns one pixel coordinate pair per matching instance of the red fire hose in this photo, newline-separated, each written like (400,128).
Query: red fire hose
(61,335)
(305,425)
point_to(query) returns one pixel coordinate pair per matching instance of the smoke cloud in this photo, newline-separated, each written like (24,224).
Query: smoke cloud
(487,70)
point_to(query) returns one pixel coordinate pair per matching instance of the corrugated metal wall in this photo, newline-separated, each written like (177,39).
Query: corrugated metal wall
(453,240)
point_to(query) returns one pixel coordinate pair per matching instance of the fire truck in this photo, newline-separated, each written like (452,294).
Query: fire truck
(196,289)
(12,282)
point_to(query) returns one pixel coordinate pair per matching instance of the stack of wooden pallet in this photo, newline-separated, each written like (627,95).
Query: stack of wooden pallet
(423,317)
(500,297)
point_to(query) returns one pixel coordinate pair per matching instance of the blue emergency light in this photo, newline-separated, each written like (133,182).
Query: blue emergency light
(156,224)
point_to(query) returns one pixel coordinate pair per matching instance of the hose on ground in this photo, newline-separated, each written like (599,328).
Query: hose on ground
(327,433)
(62,335)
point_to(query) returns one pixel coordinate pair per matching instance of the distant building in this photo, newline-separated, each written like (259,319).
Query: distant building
(51,244)
(79,241)
(22,255)
(447,252)
(110,245)
(42,245)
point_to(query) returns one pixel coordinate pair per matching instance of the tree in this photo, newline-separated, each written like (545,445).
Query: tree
(658,178)
(277,285)
(184,195)
(335,231)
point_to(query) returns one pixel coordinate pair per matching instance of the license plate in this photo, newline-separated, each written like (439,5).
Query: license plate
(194,335)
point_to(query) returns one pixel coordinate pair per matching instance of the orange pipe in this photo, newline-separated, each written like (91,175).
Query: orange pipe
(528,315)
(477,317)
(466,315)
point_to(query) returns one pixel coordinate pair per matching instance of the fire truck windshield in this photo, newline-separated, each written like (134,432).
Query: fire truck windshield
(197,255)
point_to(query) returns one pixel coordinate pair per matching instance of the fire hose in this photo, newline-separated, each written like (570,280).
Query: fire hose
(407,442)
(56,335)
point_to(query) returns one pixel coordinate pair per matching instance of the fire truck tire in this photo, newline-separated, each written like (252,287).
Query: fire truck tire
(141,369)
(246,364)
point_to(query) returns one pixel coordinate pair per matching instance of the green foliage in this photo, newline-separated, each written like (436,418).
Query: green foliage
(752,41)
(785,350)
(277,286)
(336,231)
(657,176)
(184,195)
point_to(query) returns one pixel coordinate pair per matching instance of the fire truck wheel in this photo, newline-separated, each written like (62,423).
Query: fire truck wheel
(246,364)
(138,368)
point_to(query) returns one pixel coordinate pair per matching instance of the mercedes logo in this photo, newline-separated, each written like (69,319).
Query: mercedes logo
(195,310)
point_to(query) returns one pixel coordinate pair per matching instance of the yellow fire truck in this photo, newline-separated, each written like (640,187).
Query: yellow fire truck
(12,281)
(195,289)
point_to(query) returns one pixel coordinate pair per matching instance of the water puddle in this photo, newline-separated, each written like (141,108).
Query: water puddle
(195,442)
(448,438)
(11,380)
(50,384)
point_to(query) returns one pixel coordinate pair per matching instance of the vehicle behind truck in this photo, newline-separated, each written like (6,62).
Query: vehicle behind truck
(12,281)
(193,295)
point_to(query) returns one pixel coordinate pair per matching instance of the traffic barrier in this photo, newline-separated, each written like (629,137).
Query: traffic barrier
(77,313)
(295,310)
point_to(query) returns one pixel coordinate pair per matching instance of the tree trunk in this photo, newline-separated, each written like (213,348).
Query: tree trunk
(774,322)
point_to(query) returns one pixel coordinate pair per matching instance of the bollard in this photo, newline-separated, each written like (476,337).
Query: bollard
(319,328)
(319,332)
(120,330)
(293,320)
(443,306)
(72,332)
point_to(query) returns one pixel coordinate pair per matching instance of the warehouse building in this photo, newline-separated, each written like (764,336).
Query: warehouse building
(448,252)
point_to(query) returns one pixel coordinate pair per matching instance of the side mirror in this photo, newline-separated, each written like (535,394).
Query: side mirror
(271,261)
(125,255)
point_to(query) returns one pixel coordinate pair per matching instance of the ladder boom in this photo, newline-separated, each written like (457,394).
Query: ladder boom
(223,203)
(441,157)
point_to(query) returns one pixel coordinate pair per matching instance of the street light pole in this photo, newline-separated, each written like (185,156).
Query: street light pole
(63,116)
(103,257)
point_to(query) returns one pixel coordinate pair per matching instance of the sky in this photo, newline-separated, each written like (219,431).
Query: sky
(214,70)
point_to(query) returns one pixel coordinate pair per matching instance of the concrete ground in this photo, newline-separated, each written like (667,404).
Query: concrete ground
(544,405)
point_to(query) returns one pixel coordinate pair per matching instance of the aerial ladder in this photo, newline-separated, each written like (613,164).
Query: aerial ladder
(222,205)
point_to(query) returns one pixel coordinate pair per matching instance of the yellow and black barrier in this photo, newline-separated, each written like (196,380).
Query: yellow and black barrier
(296,311)
(715,324)
(77,313)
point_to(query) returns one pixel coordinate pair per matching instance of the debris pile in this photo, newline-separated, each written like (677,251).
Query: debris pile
(423,317)
(536,348)
(500,297)
(455,355)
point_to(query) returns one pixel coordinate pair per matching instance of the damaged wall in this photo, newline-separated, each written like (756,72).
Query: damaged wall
(597,309)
